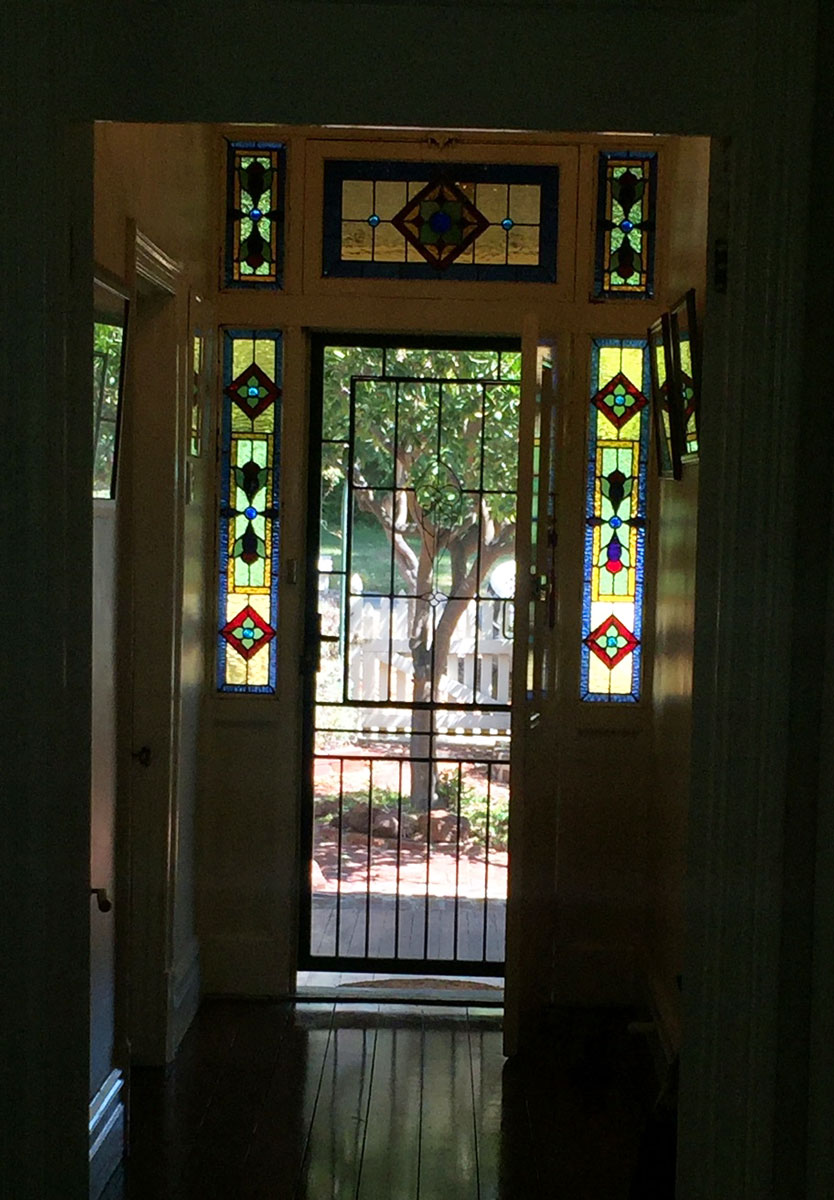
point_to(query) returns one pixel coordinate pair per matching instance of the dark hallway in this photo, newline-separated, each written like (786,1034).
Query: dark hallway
(372,1102)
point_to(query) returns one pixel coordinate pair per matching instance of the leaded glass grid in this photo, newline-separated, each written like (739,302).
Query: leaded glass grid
(407,220)
(249,513)
(255,215)
(615,520)
(625,231)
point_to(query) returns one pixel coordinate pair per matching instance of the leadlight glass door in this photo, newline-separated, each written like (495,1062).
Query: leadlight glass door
(409,656)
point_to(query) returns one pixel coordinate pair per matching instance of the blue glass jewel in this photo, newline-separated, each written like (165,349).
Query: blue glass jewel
(250,513)
(256,214)
(440,221)
(627,226)
(253,391)
(507,223)
(615,522)
(373,220)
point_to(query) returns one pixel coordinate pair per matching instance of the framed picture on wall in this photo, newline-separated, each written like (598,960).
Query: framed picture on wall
(686,365)
(667,405)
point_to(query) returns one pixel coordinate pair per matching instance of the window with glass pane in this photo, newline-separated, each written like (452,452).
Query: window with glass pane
(406,220)
(249,516)
(108,343)
(625,232)
(255,215)
(615,520)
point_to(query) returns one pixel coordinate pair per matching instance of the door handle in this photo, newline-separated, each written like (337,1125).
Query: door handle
(102,899)
(142,756)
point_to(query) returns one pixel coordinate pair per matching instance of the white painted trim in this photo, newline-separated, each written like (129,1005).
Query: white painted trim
(156,267)
(107,1131)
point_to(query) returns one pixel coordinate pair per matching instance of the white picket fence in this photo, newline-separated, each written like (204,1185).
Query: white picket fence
(477,670)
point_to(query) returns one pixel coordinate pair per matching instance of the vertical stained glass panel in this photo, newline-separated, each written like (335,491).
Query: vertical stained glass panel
(255,215)
(249,514)
(615,520)
(625,234)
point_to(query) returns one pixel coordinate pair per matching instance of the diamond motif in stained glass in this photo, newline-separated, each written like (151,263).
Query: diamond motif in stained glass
(440,222)
(611,641)
(619,400)
(253,391)
(247,632)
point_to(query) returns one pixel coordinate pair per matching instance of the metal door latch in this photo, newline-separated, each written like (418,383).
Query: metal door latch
(102,899)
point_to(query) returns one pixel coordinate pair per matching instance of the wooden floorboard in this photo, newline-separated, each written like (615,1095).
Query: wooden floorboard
(378,915)
(281,1101)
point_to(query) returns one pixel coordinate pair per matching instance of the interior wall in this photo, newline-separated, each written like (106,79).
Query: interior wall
(161,176)
(668,797)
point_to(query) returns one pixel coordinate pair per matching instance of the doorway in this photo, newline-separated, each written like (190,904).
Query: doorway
(409,653)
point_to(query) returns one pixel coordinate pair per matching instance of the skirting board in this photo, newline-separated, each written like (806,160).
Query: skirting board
(107,1132)
(185,992)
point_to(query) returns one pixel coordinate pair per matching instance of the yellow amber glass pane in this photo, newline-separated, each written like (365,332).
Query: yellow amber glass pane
(391,195)
(241,355)
(491,246)
(468,190)
(357,240)
(389,244)
(525,203)
(686,355)
(416,186)
(609,363)
(523,245)
(265,356)
(632,364)
(621,677)
(357,199)
(630,431)
(491,199)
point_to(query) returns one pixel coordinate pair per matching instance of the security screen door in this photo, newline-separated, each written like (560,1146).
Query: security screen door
(409,655)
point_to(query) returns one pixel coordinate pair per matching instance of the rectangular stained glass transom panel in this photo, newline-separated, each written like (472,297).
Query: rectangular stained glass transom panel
(615,520)
(406,220)
(625,233)
(255,215)
(249,514)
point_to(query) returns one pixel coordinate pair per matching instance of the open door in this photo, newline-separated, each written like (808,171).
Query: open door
(532,882)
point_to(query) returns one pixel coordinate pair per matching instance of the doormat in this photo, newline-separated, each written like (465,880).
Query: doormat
(407,984)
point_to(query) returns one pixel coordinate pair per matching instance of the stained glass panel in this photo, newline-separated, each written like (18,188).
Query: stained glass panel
(456,221)
(625,233)
(687,367)
(249,514)
(615,520)
(667,418)
(255,215)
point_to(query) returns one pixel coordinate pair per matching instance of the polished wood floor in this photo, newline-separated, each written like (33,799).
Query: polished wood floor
(280,1101)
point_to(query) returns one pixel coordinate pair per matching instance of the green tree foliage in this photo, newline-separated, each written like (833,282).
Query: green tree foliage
(434,465)
(107,358)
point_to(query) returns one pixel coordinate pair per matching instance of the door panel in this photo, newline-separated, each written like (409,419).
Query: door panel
(533,822)
(410,659)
